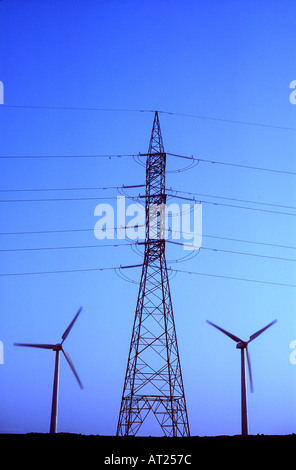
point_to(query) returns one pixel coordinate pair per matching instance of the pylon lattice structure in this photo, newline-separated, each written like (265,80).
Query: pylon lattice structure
(153,380)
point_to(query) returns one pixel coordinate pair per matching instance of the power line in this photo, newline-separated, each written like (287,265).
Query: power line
(140,265)
(274,245)
(173,191)
(94,188)
(69,271)
(196,116)
(77,108)
(234,199)
(232,121)
(203,201)
(238,165)
(134,155)
(56,272)
(108,156)
(247,254)
(140,243)
(65,247)
(236,252)
(234,278)
(41,232)
(64,199)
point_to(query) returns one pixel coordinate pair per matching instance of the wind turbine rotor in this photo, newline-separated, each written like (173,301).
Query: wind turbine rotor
(67,331)
(253,336)
(235,338)
(42,346)
(72,367)
(250,369)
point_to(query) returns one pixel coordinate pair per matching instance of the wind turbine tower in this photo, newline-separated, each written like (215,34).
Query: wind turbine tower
(57,348)
(243,346)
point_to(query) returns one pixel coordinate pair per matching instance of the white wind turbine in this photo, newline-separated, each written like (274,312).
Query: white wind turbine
(57,348)
(243,346)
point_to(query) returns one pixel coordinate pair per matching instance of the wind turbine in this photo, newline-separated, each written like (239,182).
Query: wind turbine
(57,348)
(243,346)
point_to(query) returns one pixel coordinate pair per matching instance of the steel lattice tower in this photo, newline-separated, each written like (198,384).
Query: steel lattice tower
(153,380)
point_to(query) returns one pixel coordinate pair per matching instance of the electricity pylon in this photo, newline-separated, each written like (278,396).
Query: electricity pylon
(153,380)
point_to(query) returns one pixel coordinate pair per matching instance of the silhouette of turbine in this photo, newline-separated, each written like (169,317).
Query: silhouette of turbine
(243,346)
(57,348)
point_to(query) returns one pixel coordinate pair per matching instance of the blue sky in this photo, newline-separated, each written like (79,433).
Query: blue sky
(227,63)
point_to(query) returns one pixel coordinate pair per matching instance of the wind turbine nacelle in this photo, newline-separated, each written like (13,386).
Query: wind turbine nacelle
(241,345)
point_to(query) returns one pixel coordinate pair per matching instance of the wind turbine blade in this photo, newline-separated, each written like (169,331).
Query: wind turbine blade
(250,370)
(42,346)
(261,331)
(67,331)
(72,367)
(235,338)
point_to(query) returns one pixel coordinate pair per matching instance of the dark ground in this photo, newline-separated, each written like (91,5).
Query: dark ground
(62,449)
